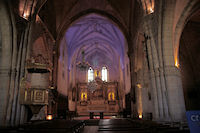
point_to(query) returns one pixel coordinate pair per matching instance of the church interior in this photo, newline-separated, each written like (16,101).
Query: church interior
(99,65)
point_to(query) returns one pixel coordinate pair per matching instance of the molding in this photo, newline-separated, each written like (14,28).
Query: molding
(171,71)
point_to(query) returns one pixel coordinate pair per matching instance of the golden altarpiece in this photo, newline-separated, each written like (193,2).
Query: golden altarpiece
(97,96)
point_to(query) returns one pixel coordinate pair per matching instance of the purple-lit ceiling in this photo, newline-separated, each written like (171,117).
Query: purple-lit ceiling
(101,40)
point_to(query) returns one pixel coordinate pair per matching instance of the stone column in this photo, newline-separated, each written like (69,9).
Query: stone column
(5,61)
(153,82)
(16,107)
(164,93)
(16,86)
(157,76)
(171,73)
(13,67)
(133,88)
(160,58)
(155,54)
(164,113)
(175,93)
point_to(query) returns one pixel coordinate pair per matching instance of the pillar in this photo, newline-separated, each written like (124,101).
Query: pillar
(174,90)
(175,93)
(5,60)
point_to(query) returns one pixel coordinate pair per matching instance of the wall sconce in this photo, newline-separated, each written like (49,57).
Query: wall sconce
(139,86)
(49,117)
(140,116)
(25,15)
(148,6)
(26,8)
(150,10)
(51,87)
(176,63)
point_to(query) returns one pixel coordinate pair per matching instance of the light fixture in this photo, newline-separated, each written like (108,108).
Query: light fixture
(27,8)
(25,15)
(140,116)
(148,6)
(139,85)
(150,10)
(83,66)
(49,117)
(51,87)
(176,63)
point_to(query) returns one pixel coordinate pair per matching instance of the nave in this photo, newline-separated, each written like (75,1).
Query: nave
(73,58)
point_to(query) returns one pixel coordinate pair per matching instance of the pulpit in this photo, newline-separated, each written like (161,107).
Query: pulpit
(34,89)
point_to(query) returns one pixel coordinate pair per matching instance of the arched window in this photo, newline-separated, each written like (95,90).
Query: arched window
(90,74)
(104,73)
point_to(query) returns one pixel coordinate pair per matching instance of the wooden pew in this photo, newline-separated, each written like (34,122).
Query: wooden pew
(119,125)
(58,126)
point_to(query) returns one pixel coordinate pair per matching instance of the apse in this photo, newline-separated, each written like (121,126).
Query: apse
(103,44)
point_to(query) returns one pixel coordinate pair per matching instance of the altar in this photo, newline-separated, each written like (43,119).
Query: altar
(97,97)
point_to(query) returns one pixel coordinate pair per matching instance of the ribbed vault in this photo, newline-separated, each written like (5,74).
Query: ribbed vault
(99,38)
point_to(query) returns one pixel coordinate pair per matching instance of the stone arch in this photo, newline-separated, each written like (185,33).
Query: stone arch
(190,8)
(189,61)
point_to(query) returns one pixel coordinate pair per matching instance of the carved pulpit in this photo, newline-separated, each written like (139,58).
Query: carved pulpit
(35,88)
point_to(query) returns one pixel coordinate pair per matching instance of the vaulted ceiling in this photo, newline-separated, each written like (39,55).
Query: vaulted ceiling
(98,37)
(58,15)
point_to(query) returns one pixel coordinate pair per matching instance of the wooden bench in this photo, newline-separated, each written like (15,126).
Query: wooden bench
(136,126)
(119,125)
(58,126)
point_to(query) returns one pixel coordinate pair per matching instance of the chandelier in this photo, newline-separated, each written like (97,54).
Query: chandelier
(83,66)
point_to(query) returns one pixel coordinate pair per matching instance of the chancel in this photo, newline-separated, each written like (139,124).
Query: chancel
(98,65)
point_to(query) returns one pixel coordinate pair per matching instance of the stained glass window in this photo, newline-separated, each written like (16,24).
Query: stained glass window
(104,73)
(90,74)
